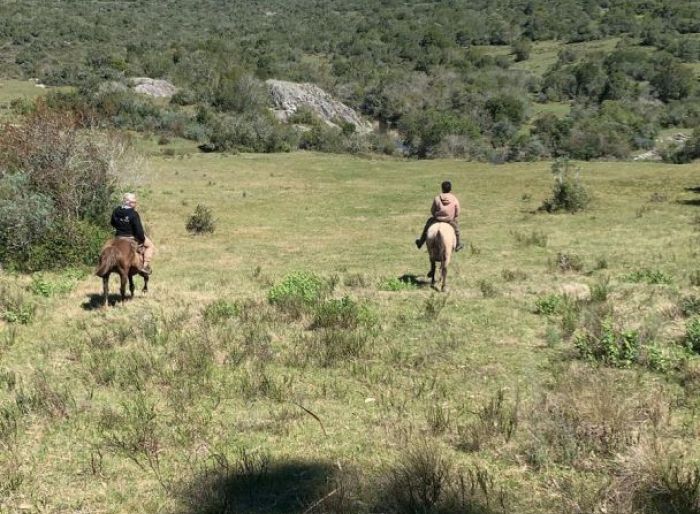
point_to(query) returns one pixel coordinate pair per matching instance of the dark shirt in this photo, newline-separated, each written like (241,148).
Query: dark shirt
(127,223)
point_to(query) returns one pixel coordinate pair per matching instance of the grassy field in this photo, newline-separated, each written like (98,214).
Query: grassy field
(378,395)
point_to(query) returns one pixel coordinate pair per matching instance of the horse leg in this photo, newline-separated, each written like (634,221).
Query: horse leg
(145,283)
(122,288)
(105,290)
(131,284)
(431,273)
(443,273)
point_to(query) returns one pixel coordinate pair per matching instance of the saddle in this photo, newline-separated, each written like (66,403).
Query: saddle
(137,247)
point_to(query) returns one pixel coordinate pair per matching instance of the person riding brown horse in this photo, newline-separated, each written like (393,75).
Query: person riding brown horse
(127,225)
(119,255)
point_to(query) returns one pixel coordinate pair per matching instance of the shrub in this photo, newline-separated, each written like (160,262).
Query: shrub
(56,187)
(692,335)
(568,193)
(201,221)
(25,217)
(689,305)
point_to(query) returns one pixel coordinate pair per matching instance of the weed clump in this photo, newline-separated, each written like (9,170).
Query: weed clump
(344,313)
(534,238)
(219,311)
(399,284)
(424,480)
(609,345)
(495,418)
(201,221)
(15,306)
(566,262)
(548,305)
(648,276)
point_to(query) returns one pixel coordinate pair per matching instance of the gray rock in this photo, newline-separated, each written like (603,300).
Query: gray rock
(288,97)
(153,87)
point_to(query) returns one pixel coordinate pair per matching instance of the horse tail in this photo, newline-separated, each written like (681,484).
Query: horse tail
(108,260)
(440,246)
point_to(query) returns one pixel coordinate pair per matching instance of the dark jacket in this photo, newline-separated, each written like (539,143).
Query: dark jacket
(127,223)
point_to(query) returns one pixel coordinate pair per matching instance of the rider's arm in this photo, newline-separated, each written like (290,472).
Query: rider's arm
(137,227)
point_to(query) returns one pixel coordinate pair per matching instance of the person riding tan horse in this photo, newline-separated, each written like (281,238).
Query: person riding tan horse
(445,209)
(127,225)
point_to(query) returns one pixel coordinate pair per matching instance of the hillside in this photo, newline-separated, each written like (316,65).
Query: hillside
(205,396)
(466,79)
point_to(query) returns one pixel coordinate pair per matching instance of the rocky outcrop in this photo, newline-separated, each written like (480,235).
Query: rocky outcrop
(153,87)
(288,97)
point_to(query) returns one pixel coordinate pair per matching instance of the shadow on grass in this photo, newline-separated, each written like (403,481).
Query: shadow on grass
(414,280)
(94,301)
(695,201)
(253,486)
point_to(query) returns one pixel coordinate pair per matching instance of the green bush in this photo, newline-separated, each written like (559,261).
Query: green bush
(68,244)
(201,221)
(568,193)
(298,292)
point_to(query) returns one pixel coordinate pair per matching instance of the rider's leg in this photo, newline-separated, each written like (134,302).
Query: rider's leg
(421,240)
(458,242)
(148,251)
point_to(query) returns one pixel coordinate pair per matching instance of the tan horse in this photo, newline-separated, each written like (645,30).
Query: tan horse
(441,243)
(119,255)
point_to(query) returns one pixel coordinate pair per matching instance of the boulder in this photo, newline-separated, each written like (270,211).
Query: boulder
(153,87)
(288,97)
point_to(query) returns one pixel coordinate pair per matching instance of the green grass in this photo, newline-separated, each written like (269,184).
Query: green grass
(17,89)
(204,386)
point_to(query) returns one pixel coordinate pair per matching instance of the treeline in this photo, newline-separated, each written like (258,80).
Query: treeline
(416,67)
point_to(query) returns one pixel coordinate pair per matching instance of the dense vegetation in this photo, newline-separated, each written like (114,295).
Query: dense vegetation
(424,69)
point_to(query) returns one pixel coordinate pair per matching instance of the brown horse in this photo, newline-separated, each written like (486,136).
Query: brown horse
(441,243)
(119,255)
